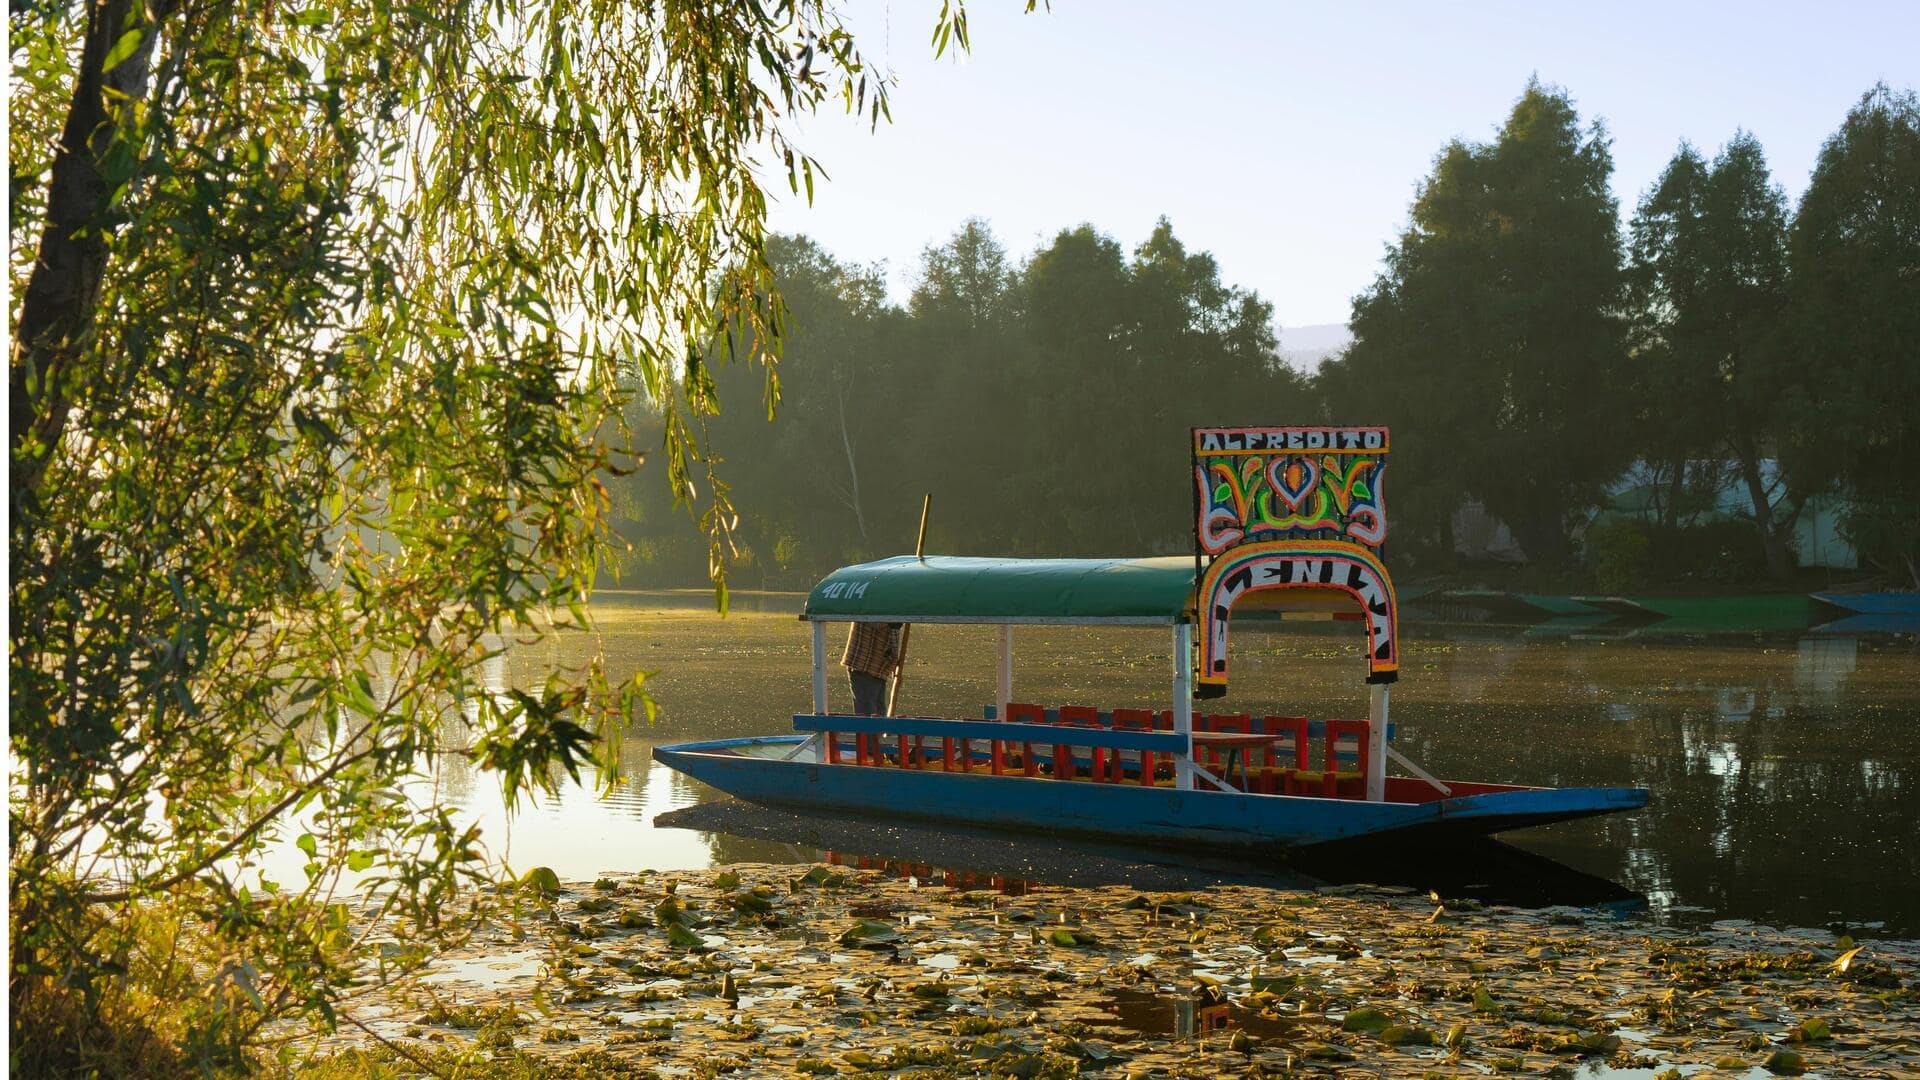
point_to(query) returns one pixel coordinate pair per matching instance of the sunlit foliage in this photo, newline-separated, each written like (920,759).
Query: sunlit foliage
(323,317)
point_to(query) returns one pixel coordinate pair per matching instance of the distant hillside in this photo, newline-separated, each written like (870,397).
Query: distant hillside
(1305,346)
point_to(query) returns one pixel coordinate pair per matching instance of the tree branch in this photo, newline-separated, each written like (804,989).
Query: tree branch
(58,306)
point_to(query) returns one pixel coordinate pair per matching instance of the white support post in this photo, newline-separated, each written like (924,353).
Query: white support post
(1377,744)
(1183,704)
(1004,690)
(819,684)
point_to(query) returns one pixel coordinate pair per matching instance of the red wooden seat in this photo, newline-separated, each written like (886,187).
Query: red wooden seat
(1134,720)
(1337,730)
(1205,756)
(1020,712)
(1274,779)
(1078,716)
(1238,723)
(1163,722)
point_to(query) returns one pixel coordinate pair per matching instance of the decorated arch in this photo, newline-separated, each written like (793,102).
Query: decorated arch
(1292,518)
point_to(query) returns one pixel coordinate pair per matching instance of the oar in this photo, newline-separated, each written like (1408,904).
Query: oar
(919,552)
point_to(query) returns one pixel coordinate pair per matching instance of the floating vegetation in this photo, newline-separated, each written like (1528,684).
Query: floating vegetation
(764,971)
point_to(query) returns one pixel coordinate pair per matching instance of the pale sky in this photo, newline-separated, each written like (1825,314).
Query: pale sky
(1288,138)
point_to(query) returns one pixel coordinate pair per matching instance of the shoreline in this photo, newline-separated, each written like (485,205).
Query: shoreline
(761,969)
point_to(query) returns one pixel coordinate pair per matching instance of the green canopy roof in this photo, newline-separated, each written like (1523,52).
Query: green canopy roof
(954,589)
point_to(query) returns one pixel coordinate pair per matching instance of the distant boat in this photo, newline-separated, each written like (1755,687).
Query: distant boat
(1701,614)
(1884,623)
(1284,532)
(1873,603)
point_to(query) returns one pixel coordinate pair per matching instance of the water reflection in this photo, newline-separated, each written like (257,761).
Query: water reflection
(1782,767)
(1481,870)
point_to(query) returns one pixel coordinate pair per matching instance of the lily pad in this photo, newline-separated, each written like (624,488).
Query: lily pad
(542,881)
(1271,983)
(1785,1063)
(668,912)
(868,934)
(1367,1020)
(1811,1030)
(754,901)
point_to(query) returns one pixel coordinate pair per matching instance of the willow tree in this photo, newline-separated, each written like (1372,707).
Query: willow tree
(321,316)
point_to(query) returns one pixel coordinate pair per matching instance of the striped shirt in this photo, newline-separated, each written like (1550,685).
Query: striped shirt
(873,648)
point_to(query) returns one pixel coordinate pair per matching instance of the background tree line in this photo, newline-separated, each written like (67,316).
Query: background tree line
(1526,350)
(1044,404)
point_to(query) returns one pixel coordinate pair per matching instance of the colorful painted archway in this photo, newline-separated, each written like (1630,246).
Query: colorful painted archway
(1292,516)
(1312,572)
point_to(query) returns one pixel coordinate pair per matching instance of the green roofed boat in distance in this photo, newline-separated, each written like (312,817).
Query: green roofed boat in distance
(1690,614)
(1288,523)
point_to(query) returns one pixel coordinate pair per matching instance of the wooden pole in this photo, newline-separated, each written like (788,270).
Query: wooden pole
(919,552)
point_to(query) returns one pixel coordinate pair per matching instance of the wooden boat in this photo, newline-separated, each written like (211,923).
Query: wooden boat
(1689,614)
(1873,603)
(1288,520)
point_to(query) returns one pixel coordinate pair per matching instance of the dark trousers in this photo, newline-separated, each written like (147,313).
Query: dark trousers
(869,693)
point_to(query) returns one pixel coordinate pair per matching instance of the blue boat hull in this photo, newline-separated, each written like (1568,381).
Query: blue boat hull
(1874,603)
(1119,811)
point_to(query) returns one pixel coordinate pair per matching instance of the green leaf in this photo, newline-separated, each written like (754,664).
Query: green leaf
(359,860)
(128,44)
(308,844)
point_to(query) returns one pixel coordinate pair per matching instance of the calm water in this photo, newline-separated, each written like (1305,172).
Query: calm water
(1785,770)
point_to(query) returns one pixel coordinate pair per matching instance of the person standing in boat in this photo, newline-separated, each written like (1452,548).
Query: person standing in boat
(872,656)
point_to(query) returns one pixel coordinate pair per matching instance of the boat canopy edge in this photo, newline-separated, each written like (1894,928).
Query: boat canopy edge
(961,589)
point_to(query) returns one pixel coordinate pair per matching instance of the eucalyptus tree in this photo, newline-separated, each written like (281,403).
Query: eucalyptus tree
(974,386)
(1716,379)
(322,313)
(1760,385)
(1128,353)
(1493,338)
(1854,252)
(1678,419)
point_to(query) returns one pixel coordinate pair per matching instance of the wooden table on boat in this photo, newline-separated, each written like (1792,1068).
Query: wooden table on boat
(1236,744)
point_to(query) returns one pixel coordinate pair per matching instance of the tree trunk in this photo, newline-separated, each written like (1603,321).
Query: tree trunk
(853,470)
(1678,493)
(63,290)
(1773,528)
